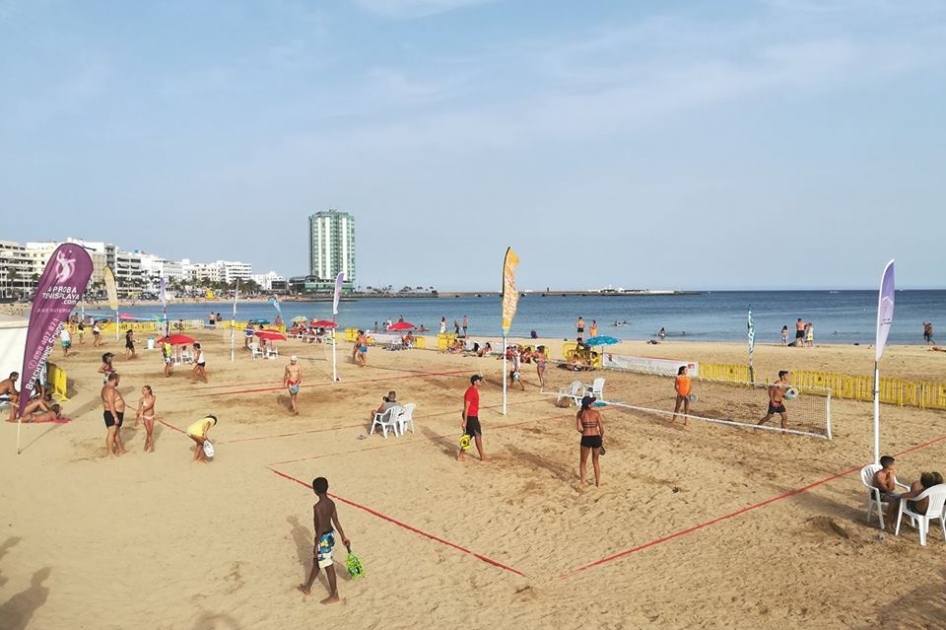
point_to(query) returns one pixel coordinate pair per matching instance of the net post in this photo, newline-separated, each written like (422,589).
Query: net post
(828,414)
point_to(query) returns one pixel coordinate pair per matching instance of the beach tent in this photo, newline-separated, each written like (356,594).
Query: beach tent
(12,346)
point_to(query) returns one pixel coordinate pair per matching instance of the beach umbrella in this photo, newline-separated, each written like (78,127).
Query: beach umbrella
(300,319)
(323,323)
(270,335)
(177,340)
(126,316)
(259,322)
(602,340)
(402,326)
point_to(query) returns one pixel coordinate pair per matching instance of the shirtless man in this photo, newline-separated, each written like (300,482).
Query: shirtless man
(776,398)
(799,333)
(293,379)
(8,387)
(324,518)
(114,415)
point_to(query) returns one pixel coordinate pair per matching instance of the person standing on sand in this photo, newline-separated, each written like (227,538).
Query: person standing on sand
(65,339)
(589,423)
(776,399)
(129,344)
(200,364)
(293,380)
(928,332)
(799,333)
(114,415)
(443,325)
(809,335)
(580,326)
(540,361)
(470,414)
(324,522)
(96,334)
(593,331)
(784,335)
(465,326)
(681,384)
(145,414)
(8,387)
(361,349)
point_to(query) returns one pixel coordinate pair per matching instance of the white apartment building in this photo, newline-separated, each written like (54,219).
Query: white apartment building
(16,270)
(265,280)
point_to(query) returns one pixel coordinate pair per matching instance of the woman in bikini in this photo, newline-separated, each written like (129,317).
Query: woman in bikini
(540,360)
(106,368)
(588,422)
(200,364)
(146,414)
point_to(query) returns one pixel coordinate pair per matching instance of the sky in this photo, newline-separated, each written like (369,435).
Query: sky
(763,144)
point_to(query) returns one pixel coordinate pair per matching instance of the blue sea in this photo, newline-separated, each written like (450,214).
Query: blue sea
(844,317)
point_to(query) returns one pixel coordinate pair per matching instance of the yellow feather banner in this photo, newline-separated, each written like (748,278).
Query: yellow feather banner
(111,289)
(510,292)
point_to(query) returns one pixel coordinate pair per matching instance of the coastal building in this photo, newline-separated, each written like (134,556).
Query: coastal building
(16,270)
(269,281)
(332,245)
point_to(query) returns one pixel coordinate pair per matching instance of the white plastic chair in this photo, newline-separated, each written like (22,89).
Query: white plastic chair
(255,349)
(406,417)
(386,420)
(597,388)
(873,492)
(573,391)
(934,511)
(272,352)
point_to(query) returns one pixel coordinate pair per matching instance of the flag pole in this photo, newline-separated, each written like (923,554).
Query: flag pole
(505,374)
(885,303)
(19,423)
(236,292)
(339,281)
(876,412)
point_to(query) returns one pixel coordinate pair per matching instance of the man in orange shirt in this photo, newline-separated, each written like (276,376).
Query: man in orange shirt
(681,383)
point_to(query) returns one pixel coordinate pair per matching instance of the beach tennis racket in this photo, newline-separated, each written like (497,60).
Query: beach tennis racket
(465,442)
(693,398)
(791,393)
(208,449)
(601,448)
(353,564)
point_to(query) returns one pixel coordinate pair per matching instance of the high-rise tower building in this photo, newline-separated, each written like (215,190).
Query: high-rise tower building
(332,245)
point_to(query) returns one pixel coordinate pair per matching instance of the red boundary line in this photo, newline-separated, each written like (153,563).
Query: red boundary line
(739,512)
(323,384)
(410,528)
(171,426)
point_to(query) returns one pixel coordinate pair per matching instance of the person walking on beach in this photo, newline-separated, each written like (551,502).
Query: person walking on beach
(776,399)
(589,423)
(928,332)
(96,335)
(470,414)
(106,368)
(114,416)
(65,339)
(466,325)
(580,326)
(443,325)
(682,384)
(129,344)
(456,328)
(145,414)
(324,522)
(799,333)
(248,335)
(168,357)
(293,380)
(200,364)
(80,330)
(361,349)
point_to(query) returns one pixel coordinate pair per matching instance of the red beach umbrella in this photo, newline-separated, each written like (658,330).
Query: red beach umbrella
(402,326)
(177,340)
(323,323)
(270,335)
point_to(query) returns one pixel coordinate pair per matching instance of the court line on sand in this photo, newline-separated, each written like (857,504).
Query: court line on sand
(403,525)
(719,519)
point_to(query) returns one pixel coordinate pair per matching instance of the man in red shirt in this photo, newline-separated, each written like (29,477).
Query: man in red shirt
(470,415)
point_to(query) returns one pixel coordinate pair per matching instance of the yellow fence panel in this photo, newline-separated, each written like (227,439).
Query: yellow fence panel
(58,382)
(892,391)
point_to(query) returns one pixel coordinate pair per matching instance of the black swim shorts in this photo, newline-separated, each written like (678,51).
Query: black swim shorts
(591,441)
(799,334)
(473,428)
(776,408)
(110,419)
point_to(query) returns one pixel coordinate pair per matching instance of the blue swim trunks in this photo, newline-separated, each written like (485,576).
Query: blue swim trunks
(323,551)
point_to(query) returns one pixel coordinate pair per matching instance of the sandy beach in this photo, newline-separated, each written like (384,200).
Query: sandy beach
(697,526)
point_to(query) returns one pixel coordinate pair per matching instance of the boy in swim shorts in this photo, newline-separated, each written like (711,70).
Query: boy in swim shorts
(324,517)
(293,380)
(776,399)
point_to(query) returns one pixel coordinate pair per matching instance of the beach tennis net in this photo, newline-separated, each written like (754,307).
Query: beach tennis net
(720,402)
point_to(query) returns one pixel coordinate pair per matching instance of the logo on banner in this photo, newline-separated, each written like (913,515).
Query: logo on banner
(65,267)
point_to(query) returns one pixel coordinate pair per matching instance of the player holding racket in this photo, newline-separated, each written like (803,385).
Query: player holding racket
(777,398)
(471,422)
(682,385)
